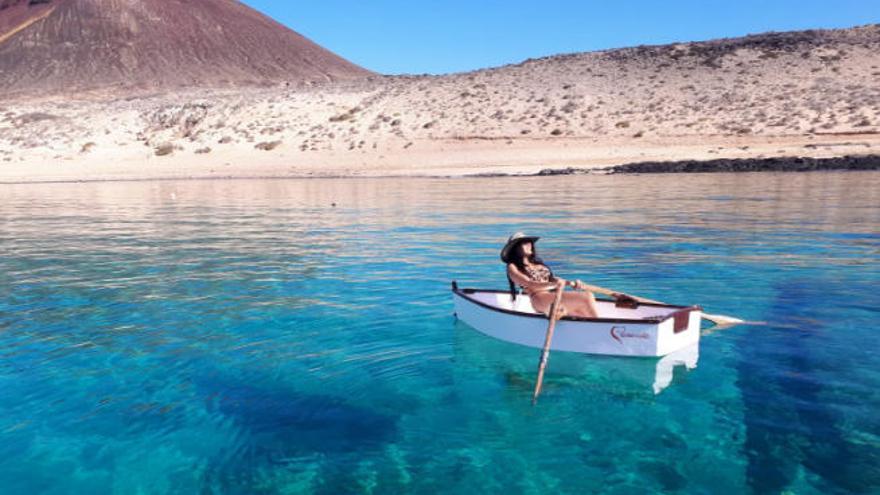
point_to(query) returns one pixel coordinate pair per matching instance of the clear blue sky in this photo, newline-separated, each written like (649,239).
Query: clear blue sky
(398,36)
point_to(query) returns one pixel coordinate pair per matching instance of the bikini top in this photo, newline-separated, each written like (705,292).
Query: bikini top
(538,273)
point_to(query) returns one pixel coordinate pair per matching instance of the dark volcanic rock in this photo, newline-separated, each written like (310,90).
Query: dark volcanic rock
(563,171)
(769,45)
(782,164)
(55,46)
(766,46)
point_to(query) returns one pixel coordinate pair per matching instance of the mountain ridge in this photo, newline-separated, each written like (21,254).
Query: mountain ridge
(63,46)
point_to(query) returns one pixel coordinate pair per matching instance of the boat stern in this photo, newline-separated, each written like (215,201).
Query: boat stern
(679,330)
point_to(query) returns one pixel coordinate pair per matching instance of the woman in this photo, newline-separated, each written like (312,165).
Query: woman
(526,270)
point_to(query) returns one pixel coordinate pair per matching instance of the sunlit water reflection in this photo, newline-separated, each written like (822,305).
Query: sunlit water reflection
(251,337)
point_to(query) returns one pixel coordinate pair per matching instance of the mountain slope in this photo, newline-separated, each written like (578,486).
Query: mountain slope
(67,45)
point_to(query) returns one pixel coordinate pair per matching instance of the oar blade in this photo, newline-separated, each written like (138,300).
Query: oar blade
(722,320)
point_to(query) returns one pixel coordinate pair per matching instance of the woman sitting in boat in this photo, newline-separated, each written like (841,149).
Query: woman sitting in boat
(527,270)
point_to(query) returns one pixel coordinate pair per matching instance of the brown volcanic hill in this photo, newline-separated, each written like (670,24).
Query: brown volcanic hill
(51,46)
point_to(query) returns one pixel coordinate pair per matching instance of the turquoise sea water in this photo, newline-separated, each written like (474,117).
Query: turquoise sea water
(251,337)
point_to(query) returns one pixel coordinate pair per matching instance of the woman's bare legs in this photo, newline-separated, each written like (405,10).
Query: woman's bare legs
(542,301)
(579,304)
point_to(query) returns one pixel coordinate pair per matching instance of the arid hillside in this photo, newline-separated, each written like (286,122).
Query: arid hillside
(812,93)
(64,46)
(786,83)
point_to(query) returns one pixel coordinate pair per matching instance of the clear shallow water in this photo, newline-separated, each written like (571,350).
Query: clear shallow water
(249,337)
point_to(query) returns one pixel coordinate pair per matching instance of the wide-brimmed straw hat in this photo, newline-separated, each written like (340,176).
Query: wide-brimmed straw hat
(512,243)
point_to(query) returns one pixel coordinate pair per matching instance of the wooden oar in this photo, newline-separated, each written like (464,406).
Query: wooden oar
(720,320)
(545,353)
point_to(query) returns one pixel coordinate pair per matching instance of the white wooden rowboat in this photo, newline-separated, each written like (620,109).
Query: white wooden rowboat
(651,330)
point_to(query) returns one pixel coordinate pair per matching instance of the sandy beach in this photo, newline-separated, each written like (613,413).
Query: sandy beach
(431,159)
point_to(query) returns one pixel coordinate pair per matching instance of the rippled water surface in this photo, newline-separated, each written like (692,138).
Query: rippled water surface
(298,337)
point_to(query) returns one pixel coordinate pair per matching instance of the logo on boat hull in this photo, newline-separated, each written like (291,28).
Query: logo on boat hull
(620,333)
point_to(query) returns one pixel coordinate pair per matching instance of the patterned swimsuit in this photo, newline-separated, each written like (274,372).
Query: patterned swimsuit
(539,273)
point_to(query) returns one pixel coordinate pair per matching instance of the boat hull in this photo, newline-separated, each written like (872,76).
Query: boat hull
(675,329)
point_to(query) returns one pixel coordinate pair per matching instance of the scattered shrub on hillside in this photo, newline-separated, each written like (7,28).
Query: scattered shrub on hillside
(271,130)
(164,149)
(345,116)
(341,117)
(267,146)
(30,118)
(712,62)
(185,118)
(556,132)
(837,57)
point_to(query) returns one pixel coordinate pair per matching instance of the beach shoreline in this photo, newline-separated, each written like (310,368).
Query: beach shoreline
(82,173)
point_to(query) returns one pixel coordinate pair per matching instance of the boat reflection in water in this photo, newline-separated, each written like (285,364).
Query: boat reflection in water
(665,367)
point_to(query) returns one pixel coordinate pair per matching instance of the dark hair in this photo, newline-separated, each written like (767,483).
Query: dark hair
(517,259)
